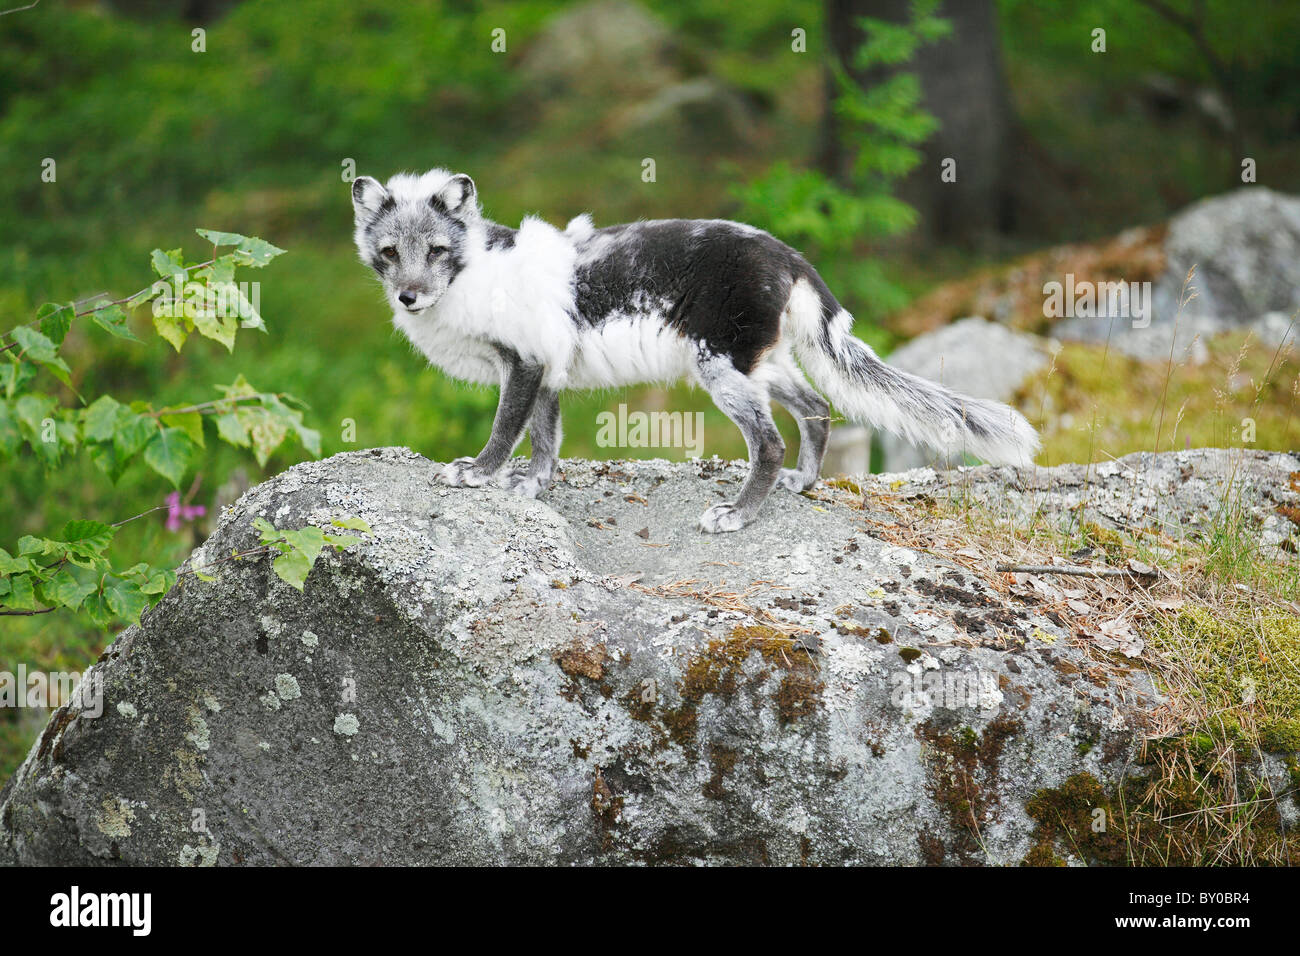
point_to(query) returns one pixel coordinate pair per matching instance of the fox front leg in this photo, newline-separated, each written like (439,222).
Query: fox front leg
(544,430)
(519,387)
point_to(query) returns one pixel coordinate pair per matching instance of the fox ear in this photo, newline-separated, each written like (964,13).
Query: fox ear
(368,196)
(457,197)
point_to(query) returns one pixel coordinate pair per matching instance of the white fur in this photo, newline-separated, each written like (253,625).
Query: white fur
(629,350)
(580,228)
(521,295)
(1014,442)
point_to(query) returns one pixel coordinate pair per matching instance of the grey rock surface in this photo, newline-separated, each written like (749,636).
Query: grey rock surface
(583,679)
(974,356)
(1245,246)
(1178,492)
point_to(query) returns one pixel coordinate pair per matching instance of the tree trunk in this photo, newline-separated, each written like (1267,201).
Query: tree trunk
(963,86)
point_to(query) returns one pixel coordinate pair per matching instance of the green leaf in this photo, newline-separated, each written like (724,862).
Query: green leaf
(69,587)
(189,422)
(266,430)
(96,608)
(221,271)
(11,565)
(35,345)
(293,568)
(253,251)
(238,307)
(230,429)
(32,409)
(168,264)
(87,537)
(55,321)
(14,375)
(30,544)
(309,437)
(354,524)
(175,329)
(221,238)
(220,328)
(240,388)
(124,598)
(22,595)
(258,252)
(107,460)
(158,581)
(132,433)
(99,419)
(267,529)
(169,453)
(139,298)
(112,320)
(309,540)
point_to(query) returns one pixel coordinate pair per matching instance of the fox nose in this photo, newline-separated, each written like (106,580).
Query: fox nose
(406,298)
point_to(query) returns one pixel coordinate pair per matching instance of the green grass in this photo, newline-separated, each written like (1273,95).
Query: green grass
(1092,404)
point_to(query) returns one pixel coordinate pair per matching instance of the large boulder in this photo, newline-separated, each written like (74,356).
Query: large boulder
(486,679)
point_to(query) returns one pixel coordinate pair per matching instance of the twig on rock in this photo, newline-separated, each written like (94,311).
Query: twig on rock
(1075,570)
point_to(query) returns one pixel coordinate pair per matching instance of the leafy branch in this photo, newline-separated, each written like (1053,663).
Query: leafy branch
(72,570)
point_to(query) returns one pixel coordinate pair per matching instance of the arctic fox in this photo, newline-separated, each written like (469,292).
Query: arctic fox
(727,306)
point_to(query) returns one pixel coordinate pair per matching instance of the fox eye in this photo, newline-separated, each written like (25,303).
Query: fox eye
(436,251)
(389,253)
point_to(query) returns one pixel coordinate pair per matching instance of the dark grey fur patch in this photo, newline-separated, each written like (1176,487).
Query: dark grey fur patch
(724,286)
(499,236)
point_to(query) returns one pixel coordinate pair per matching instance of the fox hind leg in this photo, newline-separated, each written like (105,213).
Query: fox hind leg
(747,403)
(812,414)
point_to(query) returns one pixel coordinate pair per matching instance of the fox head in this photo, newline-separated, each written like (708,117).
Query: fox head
(415,232)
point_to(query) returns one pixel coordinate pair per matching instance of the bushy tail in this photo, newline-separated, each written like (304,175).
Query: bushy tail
(915,409)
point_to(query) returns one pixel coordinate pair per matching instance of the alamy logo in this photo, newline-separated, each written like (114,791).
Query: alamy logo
(651,430)
(53,689)
(951,690)
(1101,300)
(103,909)
(228,300)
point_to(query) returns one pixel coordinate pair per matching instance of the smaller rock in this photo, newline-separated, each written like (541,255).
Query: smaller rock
(1245,249)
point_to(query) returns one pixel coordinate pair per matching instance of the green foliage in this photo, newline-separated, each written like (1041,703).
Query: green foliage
(883,126)
(73,571)
(318,80)
(299,549)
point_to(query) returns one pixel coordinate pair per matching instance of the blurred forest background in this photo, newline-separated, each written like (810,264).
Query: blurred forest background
(783,113)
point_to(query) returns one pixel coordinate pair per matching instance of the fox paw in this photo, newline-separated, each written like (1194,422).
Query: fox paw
(723,517)
(523,483)
(462,474)
(795,480)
